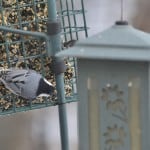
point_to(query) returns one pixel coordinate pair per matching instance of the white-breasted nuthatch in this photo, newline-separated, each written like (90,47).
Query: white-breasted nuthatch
(26,83)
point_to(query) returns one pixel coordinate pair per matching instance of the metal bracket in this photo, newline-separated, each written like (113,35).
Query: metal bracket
(53,27)
(58,66)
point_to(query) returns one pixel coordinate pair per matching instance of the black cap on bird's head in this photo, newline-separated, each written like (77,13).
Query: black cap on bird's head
(45,88)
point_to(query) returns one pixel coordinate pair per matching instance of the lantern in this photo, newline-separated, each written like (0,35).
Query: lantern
(113,89)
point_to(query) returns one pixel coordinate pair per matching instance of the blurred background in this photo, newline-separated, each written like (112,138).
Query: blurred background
(39,129)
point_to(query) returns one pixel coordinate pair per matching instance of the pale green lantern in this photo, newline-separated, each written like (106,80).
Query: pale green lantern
(113,89)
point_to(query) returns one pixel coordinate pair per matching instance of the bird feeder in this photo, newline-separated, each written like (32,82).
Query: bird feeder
(113,89)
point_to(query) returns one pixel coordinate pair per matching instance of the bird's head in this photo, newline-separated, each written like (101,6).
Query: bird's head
(45,88)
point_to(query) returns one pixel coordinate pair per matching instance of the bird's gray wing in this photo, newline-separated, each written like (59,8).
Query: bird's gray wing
(17,75)
(13,87)
(14,79)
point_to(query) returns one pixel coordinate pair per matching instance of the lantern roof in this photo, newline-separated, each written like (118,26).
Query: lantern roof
(119,42)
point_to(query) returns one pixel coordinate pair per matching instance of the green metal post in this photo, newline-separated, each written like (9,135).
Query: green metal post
(85,26)
(55,40)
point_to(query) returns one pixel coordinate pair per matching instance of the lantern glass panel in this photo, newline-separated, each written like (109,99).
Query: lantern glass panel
(134,117)
(116,104)
(94,120)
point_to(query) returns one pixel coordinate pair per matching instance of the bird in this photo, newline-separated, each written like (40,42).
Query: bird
(68,44)
(26,83)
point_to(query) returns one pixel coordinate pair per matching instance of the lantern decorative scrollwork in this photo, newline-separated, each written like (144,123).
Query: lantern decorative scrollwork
(113,98)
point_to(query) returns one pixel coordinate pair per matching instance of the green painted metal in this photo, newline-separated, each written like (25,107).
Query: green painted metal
(55,41)
(113,88)
(23,32)
(119,42)
(20,25)
(100,118)
(84,18)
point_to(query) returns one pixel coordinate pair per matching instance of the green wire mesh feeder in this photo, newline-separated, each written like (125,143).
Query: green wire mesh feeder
(24,43)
